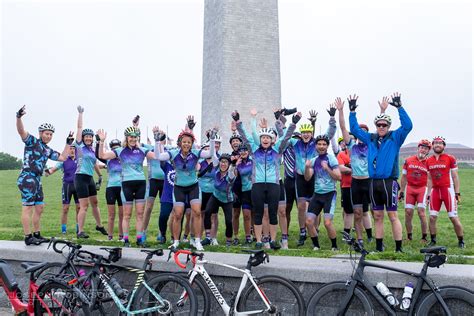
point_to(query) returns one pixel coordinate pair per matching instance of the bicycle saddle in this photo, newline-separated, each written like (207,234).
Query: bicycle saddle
(7,276)
(33,266)
(156,252)
(434,250)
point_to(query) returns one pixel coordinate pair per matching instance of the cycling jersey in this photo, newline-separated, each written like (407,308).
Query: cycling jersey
(154,168)
(86,159)
(223,186)
(35,155)
(344,159)
(359,155)
(440,170)
(132,162)
(245,171)
(68,167)
(415,171)
(114,169)
(323,182)
(185,167)
(206,181)
(168,171)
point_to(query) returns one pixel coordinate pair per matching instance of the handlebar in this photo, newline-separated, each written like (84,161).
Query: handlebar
(190,255)
(69,244)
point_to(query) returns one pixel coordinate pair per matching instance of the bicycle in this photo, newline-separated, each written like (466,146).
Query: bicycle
(98,286)
(60,301)
(269,294)
(351,297)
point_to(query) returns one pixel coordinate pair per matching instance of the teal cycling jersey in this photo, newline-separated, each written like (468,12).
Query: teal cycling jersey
(206,181)
(323,182)
(359,158)
(114,170)
(223,185)
(154,167)
(185,167)
(245,169)
(132,162)
(86,159)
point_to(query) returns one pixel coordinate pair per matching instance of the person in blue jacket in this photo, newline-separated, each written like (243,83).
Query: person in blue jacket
(384,146)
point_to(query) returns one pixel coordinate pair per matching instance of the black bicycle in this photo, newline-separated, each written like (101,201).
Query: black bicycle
(351,297)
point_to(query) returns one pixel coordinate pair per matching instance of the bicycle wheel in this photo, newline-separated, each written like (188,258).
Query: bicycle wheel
(281,293)
(202,292)
(60,299)
(460,301)
(171,289)
(326,301)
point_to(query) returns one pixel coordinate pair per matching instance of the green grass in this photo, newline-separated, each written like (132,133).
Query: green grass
(10,226)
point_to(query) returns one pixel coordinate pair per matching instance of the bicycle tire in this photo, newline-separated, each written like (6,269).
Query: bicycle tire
(170,287)
(202,292)
(60,299)
(325,301)
(459,301)
(282,294)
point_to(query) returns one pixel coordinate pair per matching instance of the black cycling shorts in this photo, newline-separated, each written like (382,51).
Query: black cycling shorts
(360,193)
(290,190)
(69,191)
(384,192)
(247,200)
(205,196)
(237,203)
(113,195)
(326,202)
(346,203)
(282,199)
(304,189)
(85,186)
(155,187)
(134,190)
(191,193)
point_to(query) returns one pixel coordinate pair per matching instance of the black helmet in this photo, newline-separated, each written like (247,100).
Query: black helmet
(322,137)
(87,131)
(235,136)
(225,156)
(115,142)
(243,147)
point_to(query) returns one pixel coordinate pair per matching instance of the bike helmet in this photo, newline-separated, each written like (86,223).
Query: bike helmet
(226,157)
(185,133)
(340,139)
(235,136)
(204,145)
(440,138)
(46,127)
(114,143)
(132,131)
(265,132)
(383,117)
(322,137)
(296,135)
(218,138)
(425,142)
(306,127)
(243,147)
(363,126)
(87,131)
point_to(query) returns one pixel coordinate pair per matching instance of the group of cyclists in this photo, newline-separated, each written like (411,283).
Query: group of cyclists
(194,181)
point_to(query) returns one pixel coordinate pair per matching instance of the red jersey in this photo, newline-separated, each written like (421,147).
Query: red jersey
(440,170)
(343,158)
(416,171)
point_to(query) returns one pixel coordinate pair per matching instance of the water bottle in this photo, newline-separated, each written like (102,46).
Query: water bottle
(81,274)
(387,294)
(117,288)
(406,298)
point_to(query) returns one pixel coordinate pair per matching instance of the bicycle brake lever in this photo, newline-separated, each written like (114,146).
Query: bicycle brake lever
(169,256)
(187,259)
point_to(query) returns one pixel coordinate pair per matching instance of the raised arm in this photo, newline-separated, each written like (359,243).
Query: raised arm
(240,128)
(106,155)
(282,143)
(335,146)
(402,132)
(97,150)
(160,152)
(65,153)
(80,113)
(331,131)
(354,125)
(342,122)
(19,123)
(313,117)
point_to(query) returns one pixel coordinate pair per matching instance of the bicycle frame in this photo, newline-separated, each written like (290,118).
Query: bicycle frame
(358,278)
(247,276)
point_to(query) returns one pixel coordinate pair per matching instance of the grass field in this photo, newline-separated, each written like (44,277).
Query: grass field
(10,226)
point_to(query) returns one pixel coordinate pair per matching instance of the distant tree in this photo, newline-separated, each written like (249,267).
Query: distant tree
(8,162)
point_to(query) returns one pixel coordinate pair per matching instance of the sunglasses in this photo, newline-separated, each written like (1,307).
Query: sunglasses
(382,125)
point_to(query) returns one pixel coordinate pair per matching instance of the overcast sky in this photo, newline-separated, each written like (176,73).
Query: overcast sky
(122,58)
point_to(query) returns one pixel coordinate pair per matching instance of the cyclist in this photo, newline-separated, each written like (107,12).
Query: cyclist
(383,149)
(186,188)
(443,187)
(344,160)
(68,167)
(222,197)
(305,149)
(324,169)
(113,192)
(235,142)
(166,201)
(131,156)
(266,175)
(83,181)
(415,179)
(35,156)
(359,195)
(244,165)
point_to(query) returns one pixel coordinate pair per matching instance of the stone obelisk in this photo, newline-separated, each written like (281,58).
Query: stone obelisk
(241,62)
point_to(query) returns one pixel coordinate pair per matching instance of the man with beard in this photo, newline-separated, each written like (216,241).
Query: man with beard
(415,179)
(443,187)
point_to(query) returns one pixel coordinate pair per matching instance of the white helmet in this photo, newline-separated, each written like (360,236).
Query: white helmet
(46,127)
(266,132)
(218,138)
(383,117)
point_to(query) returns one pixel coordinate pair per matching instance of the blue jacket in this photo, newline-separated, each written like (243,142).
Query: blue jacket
(383,158)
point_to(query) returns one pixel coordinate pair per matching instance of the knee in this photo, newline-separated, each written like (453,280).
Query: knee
(327,222)
(247,216)
(378,216)
(309,221)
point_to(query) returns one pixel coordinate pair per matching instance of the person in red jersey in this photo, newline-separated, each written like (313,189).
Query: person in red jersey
(443,187)
(415,179)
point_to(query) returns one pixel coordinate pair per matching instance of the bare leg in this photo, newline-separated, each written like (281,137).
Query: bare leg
(26,213)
